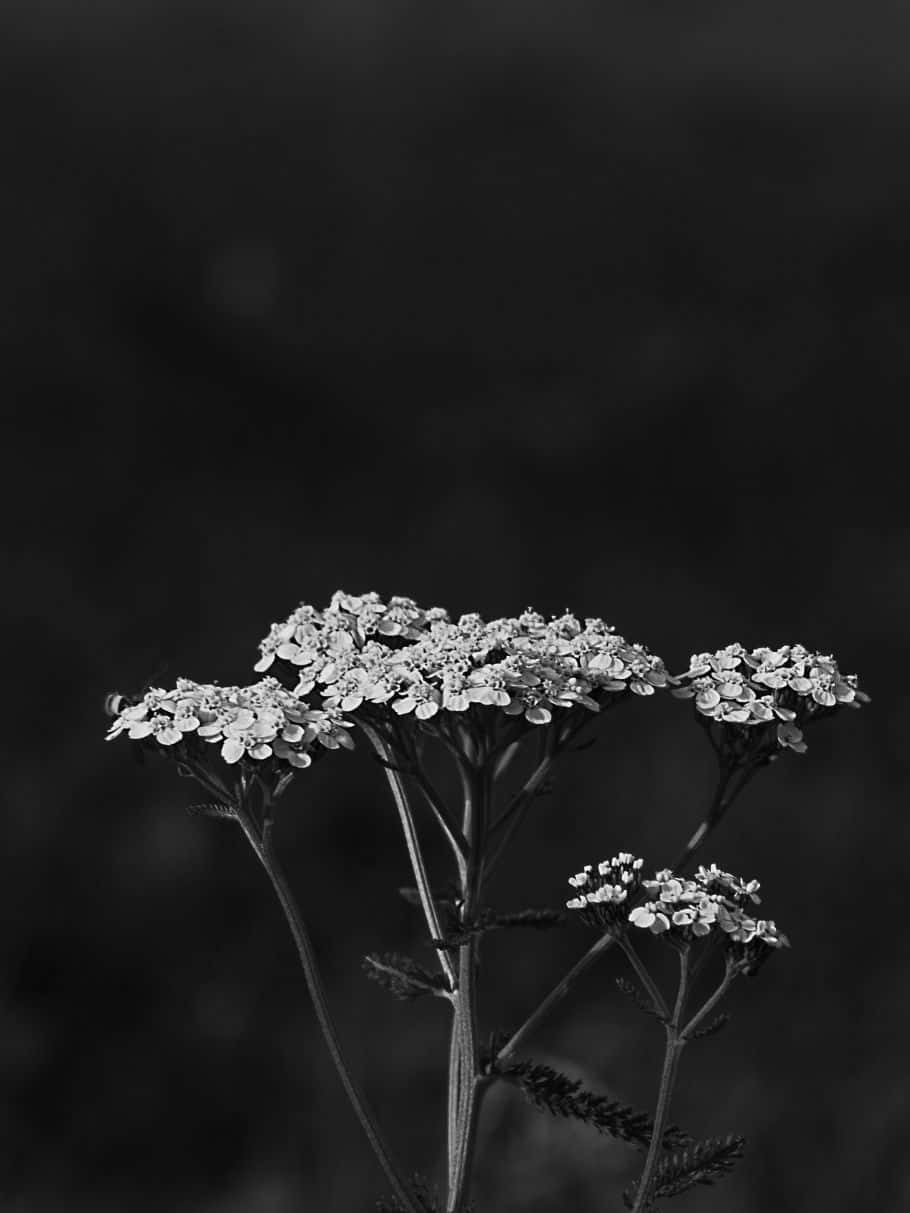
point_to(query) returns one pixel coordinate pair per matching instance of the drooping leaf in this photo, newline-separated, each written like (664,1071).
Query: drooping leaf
(560,1095)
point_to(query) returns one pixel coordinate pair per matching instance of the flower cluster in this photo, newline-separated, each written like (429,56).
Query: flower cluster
(714,900)
(255,722)
(784,688)
(362,651)
(679,908)
(604,893)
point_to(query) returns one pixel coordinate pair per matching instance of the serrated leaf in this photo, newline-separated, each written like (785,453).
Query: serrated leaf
(713,1027)
(212,809)
(403,977)
(426,1198)
(704,1162)
(490,920)
(553,1092)
(637,995)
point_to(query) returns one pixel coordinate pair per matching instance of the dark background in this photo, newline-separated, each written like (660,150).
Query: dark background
(491,305)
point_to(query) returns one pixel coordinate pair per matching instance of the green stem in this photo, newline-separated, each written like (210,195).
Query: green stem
(265,854)
(675,1044)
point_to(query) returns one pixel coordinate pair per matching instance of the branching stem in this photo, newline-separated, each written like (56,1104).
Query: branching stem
(674,1047)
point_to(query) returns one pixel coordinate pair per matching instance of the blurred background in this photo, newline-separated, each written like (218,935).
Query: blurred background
(494,306)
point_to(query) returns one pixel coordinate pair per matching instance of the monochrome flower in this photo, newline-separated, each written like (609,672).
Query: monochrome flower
(604,891)
(362,654)
(776,691)
(254,723)
(713,901)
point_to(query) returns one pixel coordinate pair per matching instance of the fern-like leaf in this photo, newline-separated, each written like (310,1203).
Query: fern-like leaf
(553,1092)
(637,995)
(705,1162)
(427,1199)
(490,920)
(403,977)
(713,1027)
(213,809)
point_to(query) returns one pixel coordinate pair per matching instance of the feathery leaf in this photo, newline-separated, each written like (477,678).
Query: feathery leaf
(403,977)
(638,996)
(705,1162)
(560,1095)
(213,809)
(713,1027)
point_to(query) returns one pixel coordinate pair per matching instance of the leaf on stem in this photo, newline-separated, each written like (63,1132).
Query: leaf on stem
(713,1027)
(490,920)
(403,977)
(705,1162)
(213,809)
(420,1189)
(553,1092)
(639,997)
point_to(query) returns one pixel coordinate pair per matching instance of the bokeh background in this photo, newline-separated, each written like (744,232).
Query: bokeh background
(601,307)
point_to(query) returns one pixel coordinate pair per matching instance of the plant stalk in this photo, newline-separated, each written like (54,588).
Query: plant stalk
(675,1043)
(266,856)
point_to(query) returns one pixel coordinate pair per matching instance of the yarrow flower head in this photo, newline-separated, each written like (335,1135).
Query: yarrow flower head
(769,694)
(713,902)
(363,654)
(252,724)
(605,891)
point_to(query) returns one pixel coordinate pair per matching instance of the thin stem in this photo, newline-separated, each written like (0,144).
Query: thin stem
(266,856)
(675,1044)
(424,890)
(728,788)
(559,991)
(667,1081)
(709,1006)
(645,977)
(456,839)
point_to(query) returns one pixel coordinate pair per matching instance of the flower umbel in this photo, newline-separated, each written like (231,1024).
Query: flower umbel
(774,691)
(605,892)
(254,723)
(361,653)
(713,902)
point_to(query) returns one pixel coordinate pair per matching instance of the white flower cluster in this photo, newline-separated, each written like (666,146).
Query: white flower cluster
(361,650)
(253,722)
(681,908)
(604,891)
(712,900)
(785,687)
